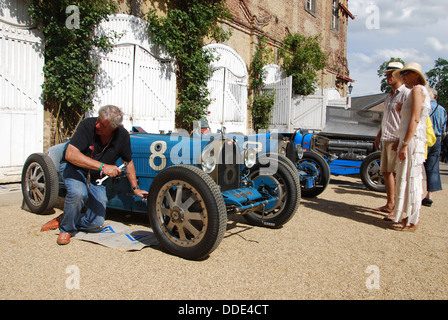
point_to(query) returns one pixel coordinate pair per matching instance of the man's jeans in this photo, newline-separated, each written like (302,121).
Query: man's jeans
(433,182)
(79,195)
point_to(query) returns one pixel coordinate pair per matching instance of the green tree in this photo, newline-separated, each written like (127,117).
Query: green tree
(438,79)
(302,58)
(69,68)
(183,33)
(383,67)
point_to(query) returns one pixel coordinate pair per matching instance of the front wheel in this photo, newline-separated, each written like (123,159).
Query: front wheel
(281,181)
(187,212)
(370,172)
(314,174)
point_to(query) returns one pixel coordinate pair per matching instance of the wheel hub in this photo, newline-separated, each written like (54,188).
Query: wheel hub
(177,214)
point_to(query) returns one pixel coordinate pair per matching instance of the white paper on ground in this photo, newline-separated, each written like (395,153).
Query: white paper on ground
(117,235)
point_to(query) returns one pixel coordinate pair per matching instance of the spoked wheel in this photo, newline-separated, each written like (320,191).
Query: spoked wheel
(187,212)
(281,182)
(313,166)
(39,183)
(371,174)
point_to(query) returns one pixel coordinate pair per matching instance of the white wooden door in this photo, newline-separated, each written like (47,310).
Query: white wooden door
(21,79)
(115,81)
(154,92)
(136,76)
(281,114)
(228,91)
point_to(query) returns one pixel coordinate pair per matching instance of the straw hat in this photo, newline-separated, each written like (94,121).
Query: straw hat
(411,66)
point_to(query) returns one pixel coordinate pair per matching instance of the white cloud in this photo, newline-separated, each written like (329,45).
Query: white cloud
(406,29)
(395,15)
(436,45)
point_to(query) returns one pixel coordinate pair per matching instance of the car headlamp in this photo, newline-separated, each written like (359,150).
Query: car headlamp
(282,148)
(250,157)
(208,162)
(299,151)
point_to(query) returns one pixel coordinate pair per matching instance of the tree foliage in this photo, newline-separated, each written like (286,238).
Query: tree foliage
(69,68)
(302,58)
(262,101)
(438,79)
(262,106)
(183,33)
(264,54)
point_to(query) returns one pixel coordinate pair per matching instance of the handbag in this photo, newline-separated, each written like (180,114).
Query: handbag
(430,135)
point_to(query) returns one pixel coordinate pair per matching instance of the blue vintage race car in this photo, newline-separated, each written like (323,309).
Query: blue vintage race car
(312,169)
(347,154)
(316,156)
(193,183)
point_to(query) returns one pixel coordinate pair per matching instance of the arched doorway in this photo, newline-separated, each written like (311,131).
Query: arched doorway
(228,90)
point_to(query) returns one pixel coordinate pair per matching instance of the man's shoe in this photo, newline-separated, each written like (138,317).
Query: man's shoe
(427,202)
(64,238)
(52,225)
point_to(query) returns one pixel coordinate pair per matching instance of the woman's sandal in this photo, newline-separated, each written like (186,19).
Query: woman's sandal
(410,228)
(389,217)
(398,226)
(401,227)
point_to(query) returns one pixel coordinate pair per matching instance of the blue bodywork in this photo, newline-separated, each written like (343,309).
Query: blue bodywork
(312,170)
(278,143)
(151,153)
(337,166)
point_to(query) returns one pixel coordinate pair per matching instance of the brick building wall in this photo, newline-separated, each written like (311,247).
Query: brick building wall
(276,19)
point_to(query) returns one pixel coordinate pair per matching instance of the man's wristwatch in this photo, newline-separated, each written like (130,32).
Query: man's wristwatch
(134,188)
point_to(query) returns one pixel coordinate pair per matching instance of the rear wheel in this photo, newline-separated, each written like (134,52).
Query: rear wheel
(187,212)
(40,184)
(370,172)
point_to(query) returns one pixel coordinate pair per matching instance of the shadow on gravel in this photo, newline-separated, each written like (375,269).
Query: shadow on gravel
(358,213)
(354,212)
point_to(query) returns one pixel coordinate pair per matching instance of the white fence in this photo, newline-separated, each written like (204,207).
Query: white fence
(292,112)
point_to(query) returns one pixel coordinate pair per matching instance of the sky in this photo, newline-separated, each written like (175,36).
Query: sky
(413,30)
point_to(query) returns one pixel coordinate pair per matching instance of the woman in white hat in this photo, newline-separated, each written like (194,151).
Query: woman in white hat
(411,148)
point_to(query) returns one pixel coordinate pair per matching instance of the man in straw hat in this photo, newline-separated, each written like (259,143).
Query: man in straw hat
(387,135)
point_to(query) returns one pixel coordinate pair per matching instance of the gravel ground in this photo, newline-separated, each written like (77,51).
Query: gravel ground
(335,247)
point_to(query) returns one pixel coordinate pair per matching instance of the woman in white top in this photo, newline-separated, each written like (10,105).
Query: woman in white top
(411,148)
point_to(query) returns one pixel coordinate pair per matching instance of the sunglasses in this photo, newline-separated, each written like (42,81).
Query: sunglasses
(406,72)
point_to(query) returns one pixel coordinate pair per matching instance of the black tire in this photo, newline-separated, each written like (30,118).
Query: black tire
(40,186)
(370,172)
(287,189)
(313,164)
(281,158)
(187,212)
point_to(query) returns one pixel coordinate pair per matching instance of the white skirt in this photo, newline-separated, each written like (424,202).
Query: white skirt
(408,185)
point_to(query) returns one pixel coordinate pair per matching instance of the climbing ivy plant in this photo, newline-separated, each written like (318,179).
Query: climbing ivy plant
(69,70)
(302,58)
(262,101)
(183,32)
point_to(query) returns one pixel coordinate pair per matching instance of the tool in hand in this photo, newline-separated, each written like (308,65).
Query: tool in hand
(100,181)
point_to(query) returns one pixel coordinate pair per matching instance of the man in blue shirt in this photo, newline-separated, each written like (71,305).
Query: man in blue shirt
(439,120)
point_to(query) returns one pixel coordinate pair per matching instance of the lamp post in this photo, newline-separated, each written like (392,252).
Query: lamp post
(349,96)
(350,88)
